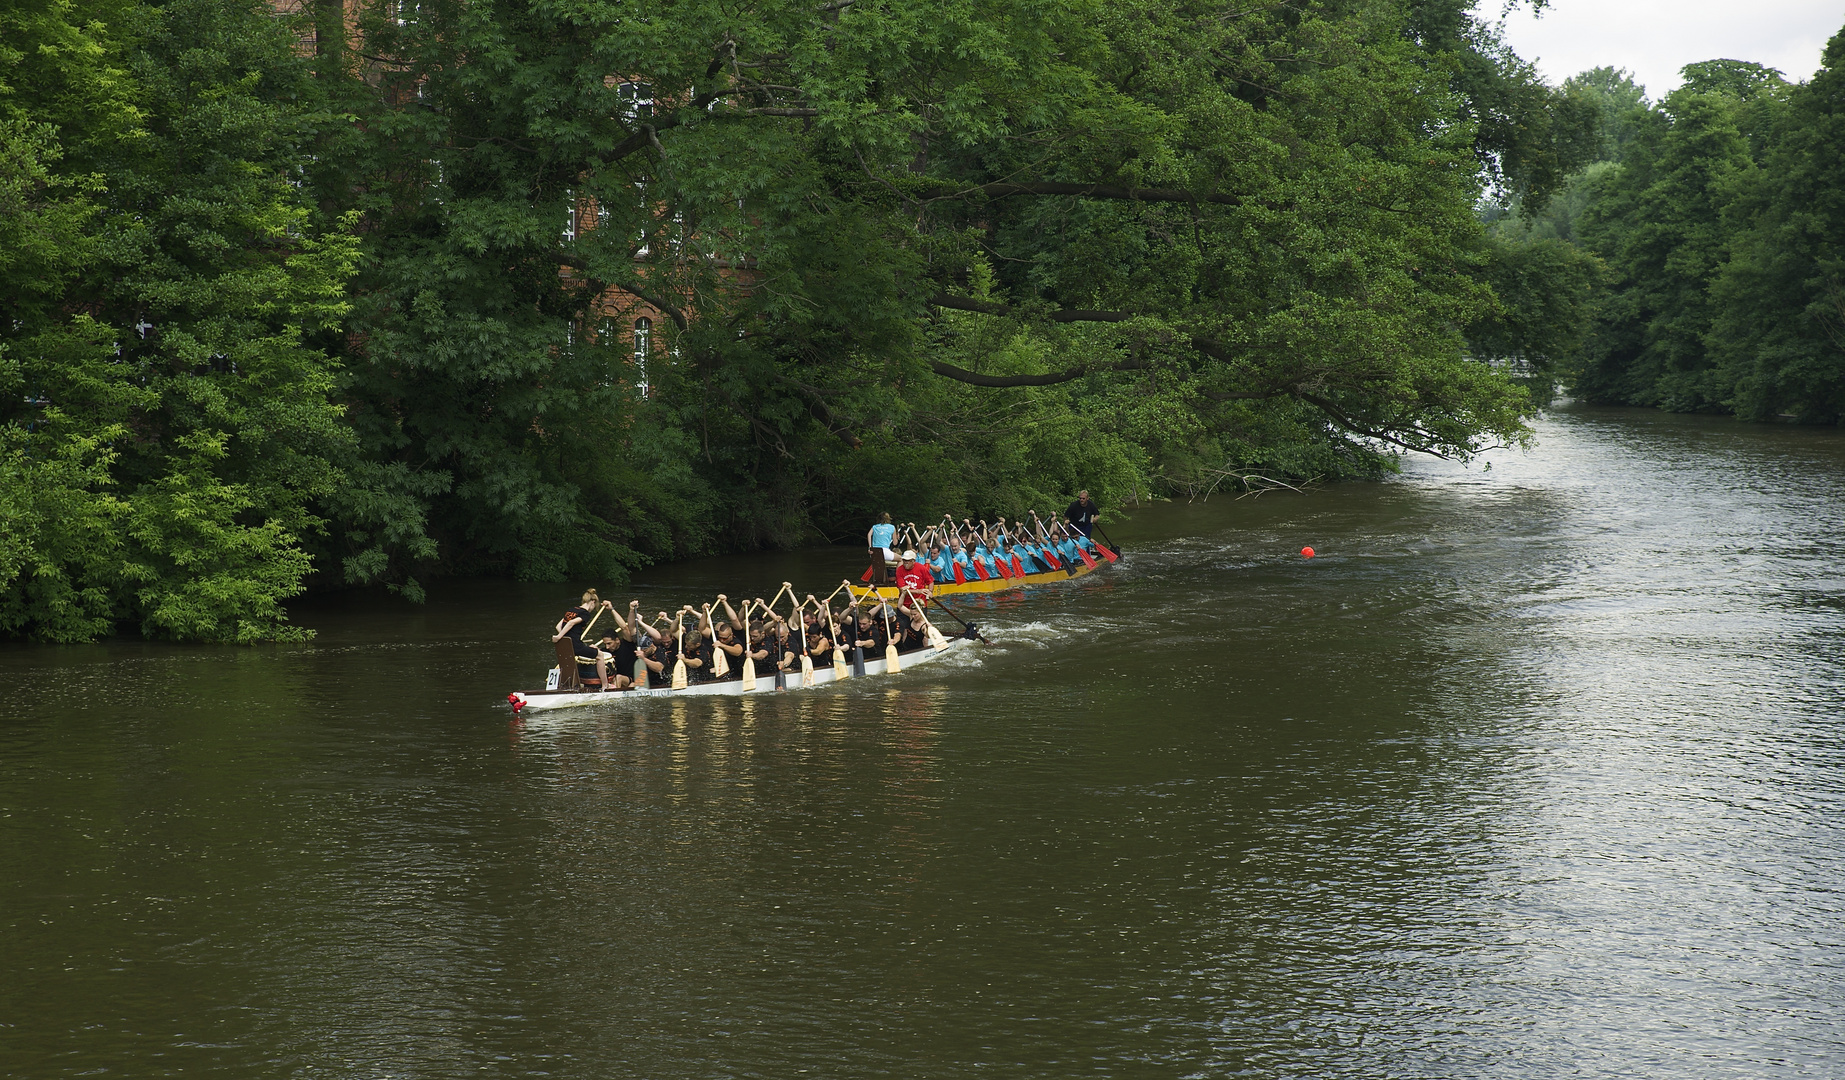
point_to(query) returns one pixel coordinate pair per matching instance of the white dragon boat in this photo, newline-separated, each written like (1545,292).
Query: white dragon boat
(538,700)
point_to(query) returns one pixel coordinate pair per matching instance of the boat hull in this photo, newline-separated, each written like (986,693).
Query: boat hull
(543,700)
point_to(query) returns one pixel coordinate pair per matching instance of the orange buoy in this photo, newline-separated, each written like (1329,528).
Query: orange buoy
(1306,553)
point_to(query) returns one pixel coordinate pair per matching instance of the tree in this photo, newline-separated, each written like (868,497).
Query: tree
(173,427)
(1663,220)
(60,77)
(1779,336)
(1620,103)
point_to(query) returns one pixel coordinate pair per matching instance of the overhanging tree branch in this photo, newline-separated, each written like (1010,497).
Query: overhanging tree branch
(987,307)
(1004,189)
(673,313)
(1338,416)
(975,378)
(1211,347)
(565,258)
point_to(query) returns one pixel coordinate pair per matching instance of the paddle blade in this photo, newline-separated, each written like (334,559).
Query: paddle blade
(679,674)
(890,659)
(1050,560)
(640,673)
(1106,554)
(720,661)
(1088,560)
(807,670)
(936,640)
(858,660)
(749,673)
(1018,568)
(840,670)
(866,576)
(960,577)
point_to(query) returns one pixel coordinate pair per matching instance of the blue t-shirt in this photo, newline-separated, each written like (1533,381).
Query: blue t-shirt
(882,534)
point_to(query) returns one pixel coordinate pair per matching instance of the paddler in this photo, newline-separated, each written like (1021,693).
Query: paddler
(982,555)
(819,645)
(865,631)
(723,636)
(621,650)
(613,649)
(655,661)
(911,624)
(938,563)
(784,645)
(956,555)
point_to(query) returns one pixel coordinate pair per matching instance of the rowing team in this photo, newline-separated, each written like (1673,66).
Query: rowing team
(956,553)
(718,642)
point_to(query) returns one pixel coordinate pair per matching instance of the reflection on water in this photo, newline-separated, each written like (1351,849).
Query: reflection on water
(1535,771)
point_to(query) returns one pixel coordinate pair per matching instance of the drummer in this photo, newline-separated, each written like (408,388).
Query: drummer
(878,542)
(572,624)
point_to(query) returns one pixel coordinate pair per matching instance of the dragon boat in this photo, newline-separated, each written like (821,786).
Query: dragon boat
(1000,582)
(540,700)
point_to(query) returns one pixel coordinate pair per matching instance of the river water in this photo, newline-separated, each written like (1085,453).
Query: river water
(1536,771)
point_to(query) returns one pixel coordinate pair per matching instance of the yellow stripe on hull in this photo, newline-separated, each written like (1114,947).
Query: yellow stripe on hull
(996,584)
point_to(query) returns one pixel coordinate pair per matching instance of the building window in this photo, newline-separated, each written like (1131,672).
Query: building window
(636,100)
(643,344)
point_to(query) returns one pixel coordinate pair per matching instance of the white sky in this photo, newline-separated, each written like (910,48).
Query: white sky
(1654,38)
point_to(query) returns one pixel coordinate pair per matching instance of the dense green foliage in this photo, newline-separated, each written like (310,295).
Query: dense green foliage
(1719,214)
(166,432)
(294,297)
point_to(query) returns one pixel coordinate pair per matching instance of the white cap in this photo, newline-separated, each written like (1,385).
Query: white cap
(910,554)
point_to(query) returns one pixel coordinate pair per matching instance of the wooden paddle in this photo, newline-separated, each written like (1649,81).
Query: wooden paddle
(840,670)
(858,651)
(930,633)
(807,660)
(749,662)
(965,625)
(720,660)
(679,661)
(892,666)
(775,647)
(605,605)
(786,588)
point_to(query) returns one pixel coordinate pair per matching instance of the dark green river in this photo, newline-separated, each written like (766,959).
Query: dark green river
(1536,771)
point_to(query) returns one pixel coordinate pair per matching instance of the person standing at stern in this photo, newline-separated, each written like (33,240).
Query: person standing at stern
(878,542)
